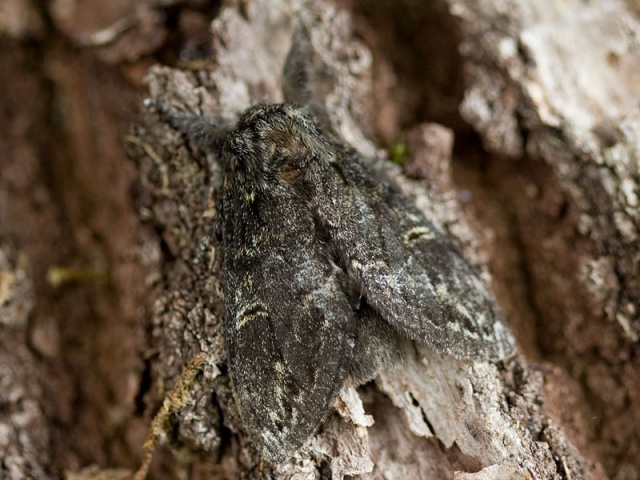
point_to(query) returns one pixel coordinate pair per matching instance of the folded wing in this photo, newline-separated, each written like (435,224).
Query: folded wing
(409,272)
(289,325)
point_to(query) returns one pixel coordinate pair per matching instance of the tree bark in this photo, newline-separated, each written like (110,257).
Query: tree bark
(109,287)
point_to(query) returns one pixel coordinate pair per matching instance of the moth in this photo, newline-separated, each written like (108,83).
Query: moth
(328,269)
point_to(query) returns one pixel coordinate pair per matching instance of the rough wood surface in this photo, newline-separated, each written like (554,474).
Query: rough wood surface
(540,190)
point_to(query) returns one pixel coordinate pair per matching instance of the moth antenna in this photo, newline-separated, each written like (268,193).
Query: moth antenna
(204,132)
(299,77)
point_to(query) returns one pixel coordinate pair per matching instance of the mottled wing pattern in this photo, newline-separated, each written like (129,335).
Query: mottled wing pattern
(289,326)
(409,272)
(307,226)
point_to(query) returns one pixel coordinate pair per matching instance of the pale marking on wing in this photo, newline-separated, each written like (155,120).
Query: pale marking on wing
(250,196)
(454,326)
(446,297)
(418,233)
(247,314)
(323,297)
(377,265)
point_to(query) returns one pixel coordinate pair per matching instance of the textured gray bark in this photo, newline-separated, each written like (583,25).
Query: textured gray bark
(550,213)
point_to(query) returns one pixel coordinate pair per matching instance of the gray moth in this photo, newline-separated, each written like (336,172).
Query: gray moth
(328,271)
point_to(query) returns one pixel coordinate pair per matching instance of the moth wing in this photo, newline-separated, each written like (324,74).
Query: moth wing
(410,273)
(289,325)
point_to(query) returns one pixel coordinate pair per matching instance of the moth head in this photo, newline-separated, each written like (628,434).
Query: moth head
(276,143)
